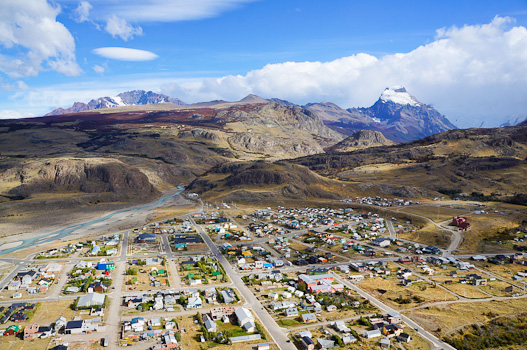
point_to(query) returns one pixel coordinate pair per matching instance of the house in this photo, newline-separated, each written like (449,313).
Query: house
(59,323)
(146,237)
(326,343)
(291,312)
(18,317)
(391,330)
(263,346)
(227,296)
(44,331)
(356,278)
(331,308)
(308,318)
(194,303)
(349,339)
(97,312)
(155,322)
(74,327)
(394,317)
(404,338)
(385,343)
(14,285)
(72,289)
(245,319)
(307,343)
(12,330)
(27,280)
(325,288)
(219,312)
(30,332)
(341,327)
(372,334)
(97,287)
(91,299)
(209,324)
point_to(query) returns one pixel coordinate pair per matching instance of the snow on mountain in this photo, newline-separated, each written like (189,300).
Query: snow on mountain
(129,98)
(118,100)
(398,94)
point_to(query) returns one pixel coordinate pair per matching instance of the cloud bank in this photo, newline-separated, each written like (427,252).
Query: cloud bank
(472,74)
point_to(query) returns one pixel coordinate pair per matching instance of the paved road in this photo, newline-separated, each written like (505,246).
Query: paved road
(115,297)
(389,225)
(433,340)
(267,321)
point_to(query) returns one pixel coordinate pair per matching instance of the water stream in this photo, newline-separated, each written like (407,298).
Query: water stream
(53,236)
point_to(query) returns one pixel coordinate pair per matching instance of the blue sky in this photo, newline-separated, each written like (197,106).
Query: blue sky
(467,58)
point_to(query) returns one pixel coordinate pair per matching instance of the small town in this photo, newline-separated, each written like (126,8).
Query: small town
(273,278)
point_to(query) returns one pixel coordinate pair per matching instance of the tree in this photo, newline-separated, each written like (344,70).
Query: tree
(338,340)
(302,286)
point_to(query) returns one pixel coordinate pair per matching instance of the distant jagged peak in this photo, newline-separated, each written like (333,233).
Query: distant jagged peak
(398,94)
(251,98)
(128,98)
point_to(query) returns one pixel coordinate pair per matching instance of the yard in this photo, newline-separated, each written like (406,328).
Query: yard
(141,276)
(206,271)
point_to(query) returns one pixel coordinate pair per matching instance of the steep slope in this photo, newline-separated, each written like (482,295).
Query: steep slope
(260,181)
(397,114)
(487,161)
(129,98)
(361,139)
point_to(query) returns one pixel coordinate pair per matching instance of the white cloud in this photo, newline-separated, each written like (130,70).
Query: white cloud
(82,12)
(10,114)
(17,85)
(166,11)
(472,74)
(35,40)
(125,54)
(119,27)
(98,69)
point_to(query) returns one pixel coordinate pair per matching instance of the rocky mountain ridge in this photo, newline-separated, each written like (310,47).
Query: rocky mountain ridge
(397,114)
(129,98)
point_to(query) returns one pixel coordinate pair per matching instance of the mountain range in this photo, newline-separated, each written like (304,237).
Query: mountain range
(252,149)
(397,114)
(129,98)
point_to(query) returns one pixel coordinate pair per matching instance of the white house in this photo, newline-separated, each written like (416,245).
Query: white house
(91,299)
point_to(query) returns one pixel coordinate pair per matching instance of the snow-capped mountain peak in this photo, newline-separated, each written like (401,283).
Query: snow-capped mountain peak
(398,94)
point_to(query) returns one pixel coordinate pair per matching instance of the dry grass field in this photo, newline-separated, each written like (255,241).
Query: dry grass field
(429,234)
(467,291)
(388,290)
(12,343)
(435,213)
(487,226)
(454,316)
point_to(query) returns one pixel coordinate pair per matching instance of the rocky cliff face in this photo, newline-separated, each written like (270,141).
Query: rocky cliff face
(129,98)
(124,182)
(362,139)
